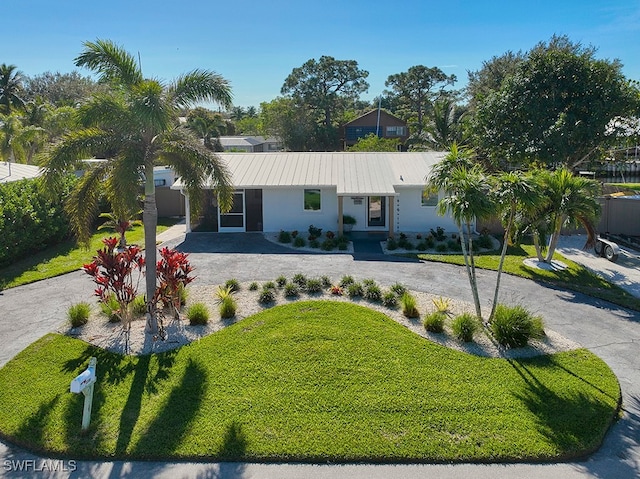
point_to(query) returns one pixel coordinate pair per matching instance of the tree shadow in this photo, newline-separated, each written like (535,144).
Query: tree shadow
(131,410)
(234,444)
(169,427)
(574,424)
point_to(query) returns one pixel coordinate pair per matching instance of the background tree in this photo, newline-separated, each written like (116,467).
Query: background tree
(136,122)
(373,142)
(558,107)
(295,126)
(11,88)
(61,89)
(417,88)
(491,76)
(207,125)
(18,142)
(445,126)
(327,86)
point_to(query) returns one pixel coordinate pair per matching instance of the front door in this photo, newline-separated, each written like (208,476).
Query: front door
(233,221)
(377,211)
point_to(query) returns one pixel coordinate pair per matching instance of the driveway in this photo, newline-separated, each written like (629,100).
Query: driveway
(611,332)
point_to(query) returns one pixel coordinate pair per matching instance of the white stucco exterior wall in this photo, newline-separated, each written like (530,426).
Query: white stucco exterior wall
(283,209)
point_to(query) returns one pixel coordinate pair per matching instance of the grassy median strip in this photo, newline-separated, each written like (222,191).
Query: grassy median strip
(65,257)
(310,381)
(574,278)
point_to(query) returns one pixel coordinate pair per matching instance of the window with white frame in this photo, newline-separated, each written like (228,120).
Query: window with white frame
(312,199)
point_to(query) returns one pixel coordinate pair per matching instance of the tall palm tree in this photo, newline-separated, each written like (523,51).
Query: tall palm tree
(134,125)
(18,142)
(10,88)
(511,191)
(466,198)
(445,127)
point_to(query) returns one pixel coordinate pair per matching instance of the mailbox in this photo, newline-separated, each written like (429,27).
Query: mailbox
(84,379)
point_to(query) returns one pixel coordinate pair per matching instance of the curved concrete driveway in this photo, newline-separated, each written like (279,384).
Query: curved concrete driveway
(611,332)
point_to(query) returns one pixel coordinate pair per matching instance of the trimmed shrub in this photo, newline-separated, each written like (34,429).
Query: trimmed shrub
(314,243)
(464,327)
(454,245)
(299,242)
(409,305)
(355,290)
(422,246)
(483,242)
(404,243)
(291,290)
(434,322)
(346,280)
(398,289)
(315,232)
(328,245)
(441,248)
(513,326)
(284,237)
(392,244)
(300,279)
(390,299)
(267,296)
(232,284)
(314,285)
(78,314)
(198,313)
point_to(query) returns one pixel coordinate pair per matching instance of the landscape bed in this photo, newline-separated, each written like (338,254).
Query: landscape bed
(310,381)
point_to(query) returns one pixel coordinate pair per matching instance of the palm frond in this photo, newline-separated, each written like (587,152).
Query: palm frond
(82,204)
(105,110)
(195,165)
(124,182)
(150,107)
(112,62)
(201,85)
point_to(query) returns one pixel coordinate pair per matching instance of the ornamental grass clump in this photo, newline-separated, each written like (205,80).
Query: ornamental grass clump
(434,322)
(409,305)
(464,327)
(355,290)
(78,314)
(314,286)
(514,326)
(227,302)
(291,290)
(110,307)
(198,314)
(232,284)
(267,295)
(390,299)
(139,305)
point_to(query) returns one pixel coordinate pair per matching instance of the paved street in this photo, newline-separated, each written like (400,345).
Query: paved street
(609,331)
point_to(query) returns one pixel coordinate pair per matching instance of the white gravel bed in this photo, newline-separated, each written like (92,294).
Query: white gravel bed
(100,332)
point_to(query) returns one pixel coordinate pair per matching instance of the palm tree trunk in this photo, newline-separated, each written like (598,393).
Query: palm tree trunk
(536,244)
(553,241)
(470,272)
(150,220)
(503,254)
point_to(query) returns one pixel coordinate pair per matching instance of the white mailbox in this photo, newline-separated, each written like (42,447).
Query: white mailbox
(83,383)
(84,379)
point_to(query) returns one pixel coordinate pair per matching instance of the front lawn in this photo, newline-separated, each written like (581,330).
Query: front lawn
(574,278)
(65,257)
(310,381)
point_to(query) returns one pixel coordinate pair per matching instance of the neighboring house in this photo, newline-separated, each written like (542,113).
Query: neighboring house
(250,144)
(378,122)
(10,171)
(289,191)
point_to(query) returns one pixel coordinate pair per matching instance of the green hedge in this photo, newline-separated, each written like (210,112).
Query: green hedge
(30,221)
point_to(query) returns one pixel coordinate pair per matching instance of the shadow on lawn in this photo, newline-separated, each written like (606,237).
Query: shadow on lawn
(574,423)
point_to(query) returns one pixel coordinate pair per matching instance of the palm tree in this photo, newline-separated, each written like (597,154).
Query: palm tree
(465,188)
(511,191)
(10,88)
(134,125)
(18,142)
(572,201)
(445,127)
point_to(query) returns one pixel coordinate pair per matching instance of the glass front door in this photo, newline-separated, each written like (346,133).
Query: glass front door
(233,221)
(377,211)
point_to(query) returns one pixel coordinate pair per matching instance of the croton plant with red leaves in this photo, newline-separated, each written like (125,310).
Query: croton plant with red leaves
(112,270)
(173,272)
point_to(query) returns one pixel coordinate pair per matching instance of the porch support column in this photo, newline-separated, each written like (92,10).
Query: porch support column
(392,210)
(340,209)
(187,212)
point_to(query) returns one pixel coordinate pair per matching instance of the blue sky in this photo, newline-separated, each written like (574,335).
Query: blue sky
(255,44)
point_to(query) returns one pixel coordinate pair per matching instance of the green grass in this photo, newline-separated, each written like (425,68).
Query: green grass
(627,186)
(574,278)
(65,257)
(309,381)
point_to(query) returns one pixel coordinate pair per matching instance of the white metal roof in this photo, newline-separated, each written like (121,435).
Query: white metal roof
(17,171)
(352,174)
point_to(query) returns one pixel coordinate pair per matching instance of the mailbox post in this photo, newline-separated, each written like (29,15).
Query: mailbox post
(83,383)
